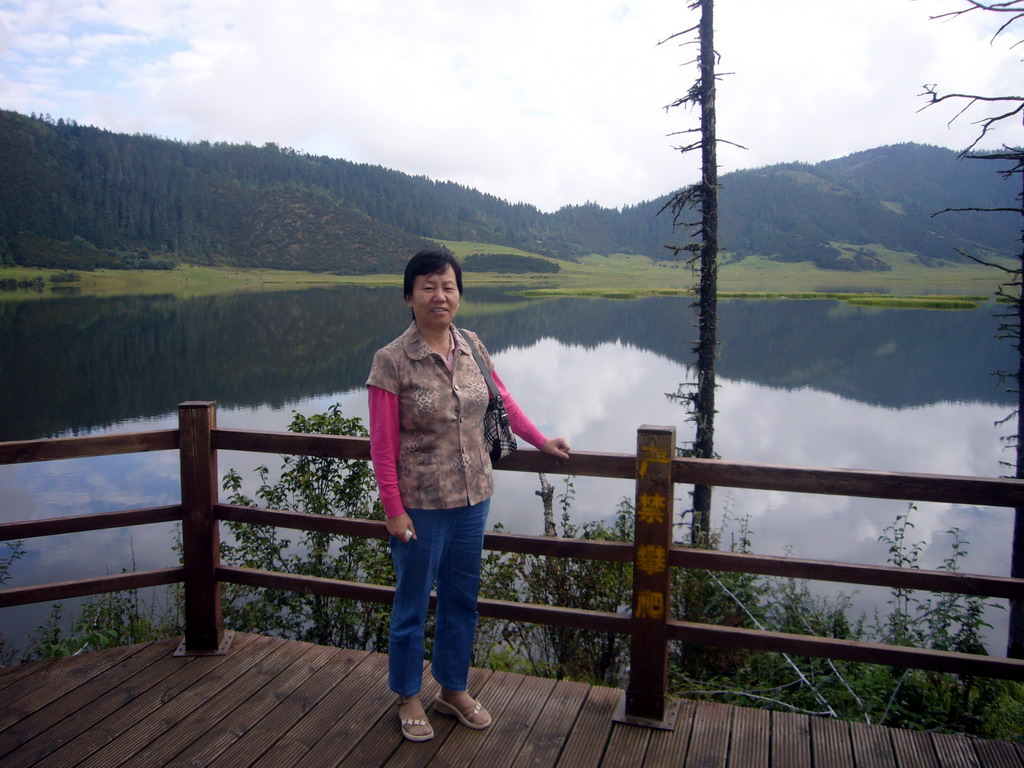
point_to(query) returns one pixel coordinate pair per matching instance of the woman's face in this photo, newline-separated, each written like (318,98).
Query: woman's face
(434,299)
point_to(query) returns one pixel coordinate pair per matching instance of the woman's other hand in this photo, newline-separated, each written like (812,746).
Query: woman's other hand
(556,446)
(401,527)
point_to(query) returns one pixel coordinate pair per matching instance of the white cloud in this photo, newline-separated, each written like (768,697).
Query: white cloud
(549,103)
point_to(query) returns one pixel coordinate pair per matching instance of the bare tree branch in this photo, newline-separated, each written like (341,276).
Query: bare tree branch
(1012,109)
(986,123)
(986,263)
(789,659)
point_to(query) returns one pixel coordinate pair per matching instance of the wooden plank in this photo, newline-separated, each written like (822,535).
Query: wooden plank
(582,463)
(954,751)
(210,715)
(378,740)
(335,723)
(872,746)
(627,745)
(848,573)
(14,673)
(459,745)
(913,749)
(95,586)
(244,740)
(555,546)
(200,532)
(374,737)
(146,723)
(34,693)
(50,449)
(575,618)
(246,713)
(302,521)
(212,710)
(39,734)
(997,754)
(751,737)
(507,734)
(148,700)
(830,743)
(294,443)
(850,650)
(88,718)
(709,742)
(984,491)
(667,749)
(587,742)
(146,705)
(652,577)
(553,726)
(53,526)
(612,551)
(791,740)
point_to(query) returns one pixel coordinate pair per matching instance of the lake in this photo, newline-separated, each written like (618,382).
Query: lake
(811,383)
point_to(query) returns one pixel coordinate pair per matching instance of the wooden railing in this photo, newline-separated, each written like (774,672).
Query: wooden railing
(655,470)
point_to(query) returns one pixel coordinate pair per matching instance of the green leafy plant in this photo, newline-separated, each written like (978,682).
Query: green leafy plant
(108,621)
(14,551)
(319,486)
(561,652)
(898,697)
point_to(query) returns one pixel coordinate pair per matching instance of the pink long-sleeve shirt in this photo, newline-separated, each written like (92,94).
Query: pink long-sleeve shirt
(385,441)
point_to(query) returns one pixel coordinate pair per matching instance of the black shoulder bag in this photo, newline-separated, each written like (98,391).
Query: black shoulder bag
(498,435)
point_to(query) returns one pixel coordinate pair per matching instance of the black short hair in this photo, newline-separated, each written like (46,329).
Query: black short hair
(431,261)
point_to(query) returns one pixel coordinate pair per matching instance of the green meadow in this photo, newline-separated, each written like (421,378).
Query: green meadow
(619,276)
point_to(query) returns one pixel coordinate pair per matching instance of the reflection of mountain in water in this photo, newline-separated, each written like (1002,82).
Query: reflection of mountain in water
(78,363)
(891,357)
(84,362)
(896,357)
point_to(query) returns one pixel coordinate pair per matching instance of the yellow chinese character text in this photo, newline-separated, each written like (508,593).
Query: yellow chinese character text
(652,454)
(650,558)
(650,605)
(651,508)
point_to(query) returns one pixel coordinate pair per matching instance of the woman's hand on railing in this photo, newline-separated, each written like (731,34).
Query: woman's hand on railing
(556,446)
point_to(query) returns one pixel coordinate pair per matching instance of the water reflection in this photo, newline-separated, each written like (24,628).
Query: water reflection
(101,361)
(811,383)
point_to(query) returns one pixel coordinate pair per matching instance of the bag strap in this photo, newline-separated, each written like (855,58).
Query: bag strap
(483,369)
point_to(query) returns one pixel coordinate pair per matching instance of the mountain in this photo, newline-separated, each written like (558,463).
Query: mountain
(827,213)
(79,197)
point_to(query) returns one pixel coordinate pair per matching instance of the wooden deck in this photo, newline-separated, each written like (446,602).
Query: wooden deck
(277,703)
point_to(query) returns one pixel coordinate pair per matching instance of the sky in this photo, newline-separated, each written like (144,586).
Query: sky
(548,102)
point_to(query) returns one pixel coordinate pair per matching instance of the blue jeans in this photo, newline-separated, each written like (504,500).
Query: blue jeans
(446,552)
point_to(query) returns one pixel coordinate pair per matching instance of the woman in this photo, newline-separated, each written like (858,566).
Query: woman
(427,402)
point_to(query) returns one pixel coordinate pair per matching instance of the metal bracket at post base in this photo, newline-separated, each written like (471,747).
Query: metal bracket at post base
(667,723)
(220,650)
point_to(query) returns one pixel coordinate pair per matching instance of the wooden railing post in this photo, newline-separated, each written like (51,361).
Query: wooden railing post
(652,599)
(200,533)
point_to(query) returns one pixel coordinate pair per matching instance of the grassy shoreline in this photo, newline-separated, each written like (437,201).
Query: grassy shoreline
(619,276)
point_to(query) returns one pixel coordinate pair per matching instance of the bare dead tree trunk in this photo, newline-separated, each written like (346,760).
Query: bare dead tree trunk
(703,195)
(547,495)
(1015,638)
(707,344)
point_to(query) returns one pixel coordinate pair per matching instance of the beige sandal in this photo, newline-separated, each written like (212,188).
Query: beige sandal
(413,727)
(444,707)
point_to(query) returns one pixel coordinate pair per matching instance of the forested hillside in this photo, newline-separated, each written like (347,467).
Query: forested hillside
(827,212)
(77,197)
